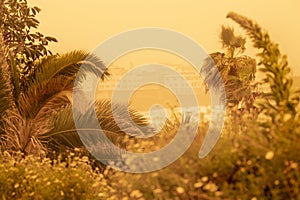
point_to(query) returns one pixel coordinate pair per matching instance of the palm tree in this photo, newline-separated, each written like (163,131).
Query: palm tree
(35,107)
(44,92)
(43,115)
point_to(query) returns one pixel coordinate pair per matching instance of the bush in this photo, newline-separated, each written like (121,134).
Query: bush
(36,178)
(245,166)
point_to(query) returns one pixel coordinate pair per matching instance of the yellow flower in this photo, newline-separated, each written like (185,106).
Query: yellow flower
(136,194)
(204,179)
(85,159)
(294,165)
(56,181)
(211,187)
(95,184)
(100,195)
(269,155)
(197,185)
(180,190)
(34,177)
(218,193)
(156,191)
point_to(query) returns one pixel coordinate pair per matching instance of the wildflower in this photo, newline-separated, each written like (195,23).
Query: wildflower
(156,191)
(34,177)
(211,187)
(294,165)
(204,179)
(136,194)
(100,195)
(218,193)
(76,149)
(269,155)
(85,159)
(180,190)
(185,181)
(155,174)
(198,185)
(56,181)
(95,184)
(287,117)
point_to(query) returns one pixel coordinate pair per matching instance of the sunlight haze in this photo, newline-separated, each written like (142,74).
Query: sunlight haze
(85,24)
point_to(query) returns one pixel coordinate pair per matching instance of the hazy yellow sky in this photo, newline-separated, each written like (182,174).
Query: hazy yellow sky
(85,24)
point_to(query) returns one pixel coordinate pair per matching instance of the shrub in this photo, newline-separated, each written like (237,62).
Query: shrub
(42,178)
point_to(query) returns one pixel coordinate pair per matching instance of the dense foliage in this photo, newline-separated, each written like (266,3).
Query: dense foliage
(260,162)
(280,102)
(23,45)
(42,178)
(36,114)
(236,70)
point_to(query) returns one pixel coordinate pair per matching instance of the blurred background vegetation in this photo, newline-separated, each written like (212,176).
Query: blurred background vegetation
(42,156)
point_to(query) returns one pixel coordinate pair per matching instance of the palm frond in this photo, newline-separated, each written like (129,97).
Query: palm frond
(54,74)
(66,64)
(39,97)
(65,132)
(211,70)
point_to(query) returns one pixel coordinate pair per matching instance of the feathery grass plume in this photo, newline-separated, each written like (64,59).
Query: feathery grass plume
(280,101)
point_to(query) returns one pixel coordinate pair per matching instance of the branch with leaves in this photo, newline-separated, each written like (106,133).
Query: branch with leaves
(22,45)
(237,71)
